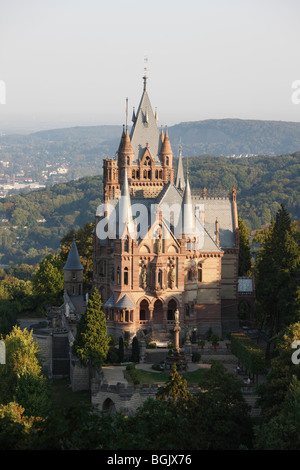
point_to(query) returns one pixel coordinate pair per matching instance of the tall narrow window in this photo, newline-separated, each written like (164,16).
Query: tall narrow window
(199,272)
(126,276)
(159,278)
(126,245)
(118,276)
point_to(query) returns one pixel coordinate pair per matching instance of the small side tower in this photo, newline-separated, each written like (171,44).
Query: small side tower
(73,272)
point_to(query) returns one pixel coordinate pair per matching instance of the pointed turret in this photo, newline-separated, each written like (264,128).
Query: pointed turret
(73,272)
(73,261)
(188,218)
(166,149)
(180,181)
(125,219)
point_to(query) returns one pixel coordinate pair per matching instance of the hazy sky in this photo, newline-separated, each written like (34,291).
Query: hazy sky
(76,61)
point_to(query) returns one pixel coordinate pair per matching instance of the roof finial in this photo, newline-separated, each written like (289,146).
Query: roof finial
(145,72)
(126,114)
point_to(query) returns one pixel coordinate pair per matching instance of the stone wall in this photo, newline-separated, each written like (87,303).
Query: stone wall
(45,344)
(122,398)
(79,375)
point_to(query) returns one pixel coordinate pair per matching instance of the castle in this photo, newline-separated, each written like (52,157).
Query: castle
(158,247)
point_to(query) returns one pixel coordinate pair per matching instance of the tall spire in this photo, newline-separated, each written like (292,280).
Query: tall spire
(180,181)
(125,219)
(188,218)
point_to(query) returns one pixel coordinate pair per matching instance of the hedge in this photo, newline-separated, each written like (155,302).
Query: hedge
(248,353)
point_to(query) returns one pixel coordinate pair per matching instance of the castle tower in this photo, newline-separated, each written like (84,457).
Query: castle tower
(73,272)
(145,152)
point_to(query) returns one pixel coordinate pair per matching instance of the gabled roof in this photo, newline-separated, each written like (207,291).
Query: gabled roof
(73,262)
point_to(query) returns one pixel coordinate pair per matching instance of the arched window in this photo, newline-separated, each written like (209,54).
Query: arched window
(118,275)
(133,174)
(144,310)
(128,161)
(167,161)
(172,306)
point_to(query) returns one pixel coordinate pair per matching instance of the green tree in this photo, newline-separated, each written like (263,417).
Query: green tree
(277,273)
(272,392)
(48,281)
(91,342)
(282,432)
(244,249)
(21,377)
(135,354)
(174,389)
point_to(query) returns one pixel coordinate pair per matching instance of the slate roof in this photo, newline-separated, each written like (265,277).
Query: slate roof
(124,302)
(73,262)
(110,302)
(145,131)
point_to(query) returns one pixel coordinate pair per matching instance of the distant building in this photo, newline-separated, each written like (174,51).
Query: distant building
(148,269)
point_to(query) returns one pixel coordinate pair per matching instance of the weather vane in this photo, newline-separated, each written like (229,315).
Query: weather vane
(145,71)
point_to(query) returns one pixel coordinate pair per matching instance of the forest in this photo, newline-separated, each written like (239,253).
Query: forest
(32,224)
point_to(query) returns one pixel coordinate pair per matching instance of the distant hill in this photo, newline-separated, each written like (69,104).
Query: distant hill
(236,136)
(90,144)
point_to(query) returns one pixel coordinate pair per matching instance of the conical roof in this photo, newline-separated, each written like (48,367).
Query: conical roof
(125,144)
(188,217)
(166,146)
(180,181)
(73,262)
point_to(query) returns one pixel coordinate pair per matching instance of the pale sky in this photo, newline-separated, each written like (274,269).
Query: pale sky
(76,61)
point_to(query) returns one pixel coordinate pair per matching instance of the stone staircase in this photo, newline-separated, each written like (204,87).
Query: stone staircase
(251,398)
